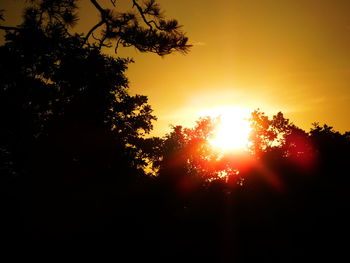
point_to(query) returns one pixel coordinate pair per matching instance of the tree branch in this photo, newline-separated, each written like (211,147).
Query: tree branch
(147,22)
(139,8)
(92,30)
(150,17)
(99,8)
(102,22)
(8,28)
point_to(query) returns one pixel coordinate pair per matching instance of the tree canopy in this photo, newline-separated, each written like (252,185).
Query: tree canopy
(70,129)
(51,76)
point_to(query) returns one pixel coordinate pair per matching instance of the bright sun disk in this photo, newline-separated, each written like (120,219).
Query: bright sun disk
(233,129)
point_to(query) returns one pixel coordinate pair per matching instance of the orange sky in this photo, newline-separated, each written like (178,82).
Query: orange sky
(277,55)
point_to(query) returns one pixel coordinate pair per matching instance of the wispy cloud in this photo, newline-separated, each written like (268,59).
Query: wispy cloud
(198,43)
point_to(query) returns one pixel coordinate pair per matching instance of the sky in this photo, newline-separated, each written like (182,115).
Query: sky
(276,55)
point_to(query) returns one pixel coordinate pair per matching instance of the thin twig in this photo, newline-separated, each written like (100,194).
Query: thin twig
(113,2)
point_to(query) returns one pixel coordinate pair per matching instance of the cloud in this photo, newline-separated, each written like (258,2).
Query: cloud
(198,43)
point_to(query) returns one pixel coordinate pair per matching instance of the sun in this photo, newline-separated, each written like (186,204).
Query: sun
(232,133)
(233,128)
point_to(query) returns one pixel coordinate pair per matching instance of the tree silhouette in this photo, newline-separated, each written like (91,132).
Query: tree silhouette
(71,140)
(285,201)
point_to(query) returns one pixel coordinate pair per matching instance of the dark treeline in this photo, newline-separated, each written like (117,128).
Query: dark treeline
(76,166)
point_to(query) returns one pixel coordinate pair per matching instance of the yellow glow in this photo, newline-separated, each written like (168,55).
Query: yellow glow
(233,129)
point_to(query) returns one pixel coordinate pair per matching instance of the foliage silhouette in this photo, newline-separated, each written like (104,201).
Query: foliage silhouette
(71,136)
(73,156)
(282,201)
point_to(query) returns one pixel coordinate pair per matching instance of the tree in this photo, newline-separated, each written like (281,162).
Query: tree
(144,27)
(291,201)
(268,133)
(179,156)
(49,73)
(274,143)
(188,160)
(71,135)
